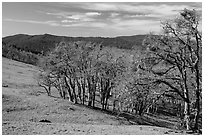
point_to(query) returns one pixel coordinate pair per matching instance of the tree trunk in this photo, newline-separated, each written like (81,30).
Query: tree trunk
(114,104)
(102,93)
(197,103)
(94,97)
(141,109)
(106,102)
(60,90)
(63,92)
(79,90)
(68,89)
(93,90)
(48,90)
(186,110)
(72,83)
(107,92)
(148,110)
(89,92)
(197,110)
(197,86)
(107,96)
(187,101)
(83,90)
(186,115)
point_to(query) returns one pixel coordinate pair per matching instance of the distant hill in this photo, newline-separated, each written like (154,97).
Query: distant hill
(136,39)
(43,43)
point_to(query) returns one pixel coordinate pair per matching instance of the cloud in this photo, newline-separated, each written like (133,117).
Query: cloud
(148,16)
(92,13)
(126,26)
(86,25)
(106,13)
(59,14)
(160,10)
(114,14)
(75,16)
(51,23)
(79,18)
(68,21)
(63,23)
(100,6)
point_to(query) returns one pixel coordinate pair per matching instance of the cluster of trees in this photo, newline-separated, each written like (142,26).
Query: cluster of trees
(12,52)
(81,72)
(166,78)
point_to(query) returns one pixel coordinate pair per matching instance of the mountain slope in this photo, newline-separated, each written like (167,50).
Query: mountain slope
(136,39)
(43,43)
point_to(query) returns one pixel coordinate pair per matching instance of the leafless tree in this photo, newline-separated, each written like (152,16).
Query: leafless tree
(174,59)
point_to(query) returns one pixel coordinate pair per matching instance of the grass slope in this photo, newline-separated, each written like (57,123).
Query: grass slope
(24,104)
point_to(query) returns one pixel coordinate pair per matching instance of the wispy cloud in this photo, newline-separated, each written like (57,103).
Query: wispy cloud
(68,21)
(159,10)
(51,23)
(114,14)
(86,24)
(75,17)
(92,14)
(63,23)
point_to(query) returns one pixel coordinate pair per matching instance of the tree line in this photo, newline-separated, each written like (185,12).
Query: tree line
(12,52)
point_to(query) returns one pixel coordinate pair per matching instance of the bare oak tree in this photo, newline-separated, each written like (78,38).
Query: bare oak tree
(174,59)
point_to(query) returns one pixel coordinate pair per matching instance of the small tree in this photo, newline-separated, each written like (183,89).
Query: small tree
(44,81)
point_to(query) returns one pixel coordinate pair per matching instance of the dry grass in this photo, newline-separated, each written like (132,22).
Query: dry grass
(24,104)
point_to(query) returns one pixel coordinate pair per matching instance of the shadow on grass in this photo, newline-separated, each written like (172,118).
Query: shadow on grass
(54,96)
(146,119)
(132,119)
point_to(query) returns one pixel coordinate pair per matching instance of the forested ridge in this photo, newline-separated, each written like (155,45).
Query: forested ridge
(44,43)
(28,48)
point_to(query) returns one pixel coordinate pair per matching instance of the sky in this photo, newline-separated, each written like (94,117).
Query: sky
(84,19)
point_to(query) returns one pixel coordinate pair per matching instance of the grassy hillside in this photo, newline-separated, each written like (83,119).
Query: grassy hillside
(25,104)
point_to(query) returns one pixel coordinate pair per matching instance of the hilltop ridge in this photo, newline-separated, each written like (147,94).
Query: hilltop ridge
(43,43)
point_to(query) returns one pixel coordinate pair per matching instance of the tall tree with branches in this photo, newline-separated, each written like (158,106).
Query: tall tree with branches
(174,59)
